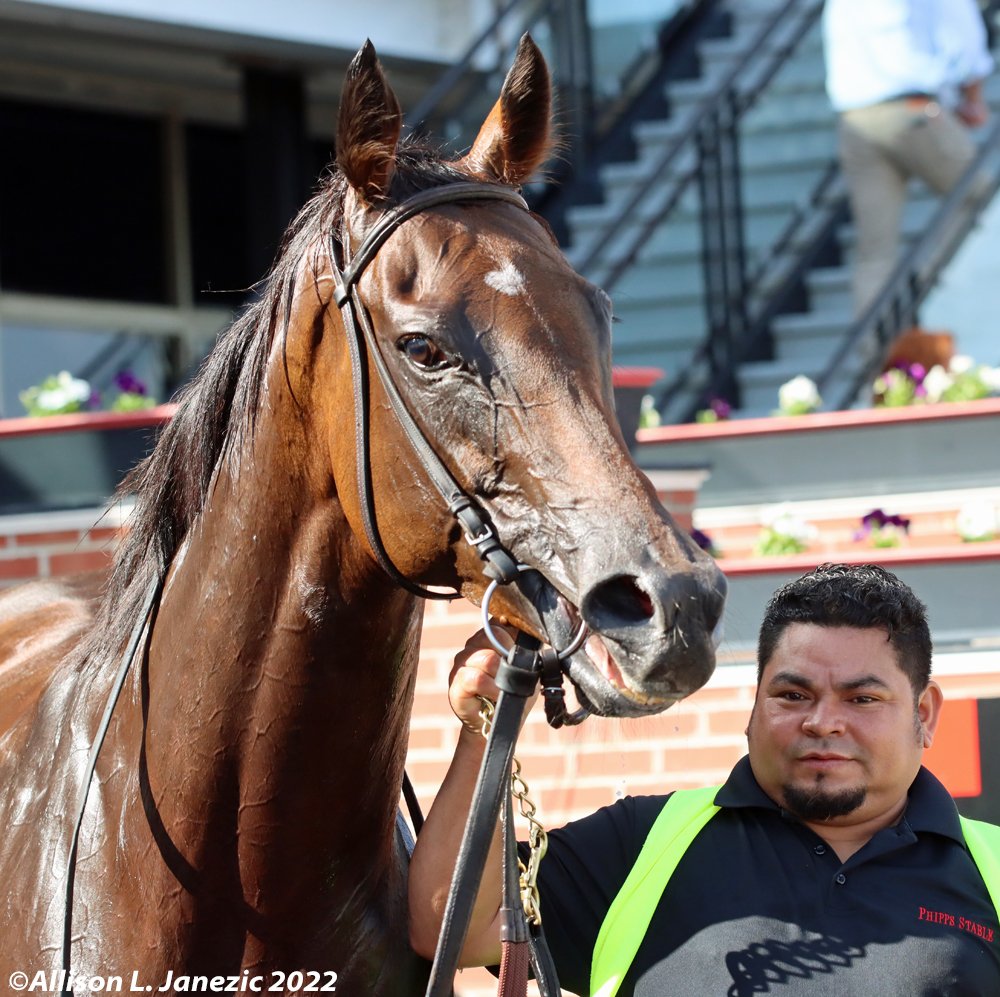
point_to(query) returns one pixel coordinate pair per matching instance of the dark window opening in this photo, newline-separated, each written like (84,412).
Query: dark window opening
(81,203)
(221,256)
(216,198)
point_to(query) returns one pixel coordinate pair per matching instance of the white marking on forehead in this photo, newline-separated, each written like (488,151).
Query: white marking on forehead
(507,280)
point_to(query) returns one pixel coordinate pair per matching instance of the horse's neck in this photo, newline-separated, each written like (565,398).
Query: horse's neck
(280,684)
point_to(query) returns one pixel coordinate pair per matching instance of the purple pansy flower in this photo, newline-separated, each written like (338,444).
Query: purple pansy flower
(877,520)
(126,381)
(702,539)
(721,408)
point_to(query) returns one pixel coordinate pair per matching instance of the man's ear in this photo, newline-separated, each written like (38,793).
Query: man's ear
(929,711)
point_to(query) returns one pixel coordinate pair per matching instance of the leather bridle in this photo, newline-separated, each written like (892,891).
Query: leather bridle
(500,565)
(479,532)
(523,666)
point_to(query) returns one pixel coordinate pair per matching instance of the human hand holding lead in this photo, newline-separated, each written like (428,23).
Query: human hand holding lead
(474,676)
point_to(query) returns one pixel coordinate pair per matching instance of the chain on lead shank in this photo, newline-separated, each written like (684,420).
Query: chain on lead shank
(538,839)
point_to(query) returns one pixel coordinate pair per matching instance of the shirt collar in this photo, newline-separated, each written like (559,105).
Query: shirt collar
(930,807)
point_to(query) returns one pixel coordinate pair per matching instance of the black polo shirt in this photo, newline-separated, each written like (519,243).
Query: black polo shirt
(760,905)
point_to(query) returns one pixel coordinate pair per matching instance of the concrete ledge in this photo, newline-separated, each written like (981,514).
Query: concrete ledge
(83,422)
(957,583)
(835,454)
(71,461)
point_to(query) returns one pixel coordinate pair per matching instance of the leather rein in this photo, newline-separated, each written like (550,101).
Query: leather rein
(522,666)
(519,673)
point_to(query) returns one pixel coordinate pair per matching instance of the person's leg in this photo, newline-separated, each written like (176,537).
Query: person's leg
(935,146)
(877,189)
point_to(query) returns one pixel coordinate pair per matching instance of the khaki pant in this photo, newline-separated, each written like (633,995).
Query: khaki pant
(881,147)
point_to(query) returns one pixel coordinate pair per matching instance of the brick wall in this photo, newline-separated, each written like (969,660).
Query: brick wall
(50,544)
(570,772)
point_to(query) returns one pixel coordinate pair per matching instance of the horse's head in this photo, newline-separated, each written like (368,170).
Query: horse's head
(502,355)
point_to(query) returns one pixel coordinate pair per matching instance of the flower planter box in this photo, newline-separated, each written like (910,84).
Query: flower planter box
(71,461)
(950,445)
(77,461)
(630,384)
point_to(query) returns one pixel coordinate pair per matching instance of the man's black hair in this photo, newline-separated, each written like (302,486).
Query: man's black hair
(853,595)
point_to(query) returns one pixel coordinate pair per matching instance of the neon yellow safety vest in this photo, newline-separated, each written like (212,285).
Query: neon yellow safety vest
(685,813)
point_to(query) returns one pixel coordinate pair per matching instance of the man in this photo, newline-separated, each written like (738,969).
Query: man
(905,77)
(830,862)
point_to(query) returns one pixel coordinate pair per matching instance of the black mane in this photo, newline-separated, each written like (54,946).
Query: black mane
(217,410)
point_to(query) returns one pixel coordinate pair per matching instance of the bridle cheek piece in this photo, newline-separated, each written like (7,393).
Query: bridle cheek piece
(500,564)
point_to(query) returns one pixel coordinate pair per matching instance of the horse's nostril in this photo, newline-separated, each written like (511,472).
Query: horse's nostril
(617,601)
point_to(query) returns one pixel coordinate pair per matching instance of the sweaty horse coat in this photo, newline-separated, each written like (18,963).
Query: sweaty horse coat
(241,818)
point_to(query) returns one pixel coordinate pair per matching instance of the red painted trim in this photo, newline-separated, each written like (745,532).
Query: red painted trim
(85,421)
(819,421)
(635,377)
(988,550)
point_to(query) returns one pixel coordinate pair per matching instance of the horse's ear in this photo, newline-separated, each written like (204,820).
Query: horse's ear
(516,137)
(368,126)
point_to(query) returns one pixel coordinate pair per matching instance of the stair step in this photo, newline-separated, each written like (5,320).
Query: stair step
(764,148)
(760,380)
(801,337)
(719,54)
(830,290)
(766,185)
(793,78)
(639,322)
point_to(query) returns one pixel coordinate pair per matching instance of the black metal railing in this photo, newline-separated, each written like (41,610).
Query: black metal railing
(461,98)
(869,337)
(707,150)
(592,129)
(447,101)
(777,279)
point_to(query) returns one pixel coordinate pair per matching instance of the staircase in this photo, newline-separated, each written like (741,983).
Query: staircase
(787,143)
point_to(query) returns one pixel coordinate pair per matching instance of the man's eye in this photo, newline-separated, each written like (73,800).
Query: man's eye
(422,352)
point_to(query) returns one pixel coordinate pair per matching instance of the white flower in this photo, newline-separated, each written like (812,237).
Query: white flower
(649,418)
(66,390)
(937,382)
(990,376)
(782,519)
(798,396)
(960,364)
(977,521)
(76,389)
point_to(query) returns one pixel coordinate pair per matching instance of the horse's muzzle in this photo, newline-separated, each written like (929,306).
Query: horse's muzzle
(655,638)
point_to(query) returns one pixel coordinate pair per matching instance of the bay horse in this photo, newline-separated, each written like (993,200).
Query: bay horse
(241,817)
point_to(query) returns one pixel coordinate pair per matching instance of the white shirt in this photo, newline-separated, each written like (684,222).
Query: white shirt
(880,49)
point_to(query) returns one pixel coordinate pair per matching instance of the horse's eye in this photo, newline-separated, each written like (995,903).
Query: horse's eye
(422,352)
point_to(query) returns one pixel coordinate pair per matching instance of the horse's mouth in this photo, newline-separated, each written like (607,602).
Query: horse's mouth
(599,683)
(613,675)
(602,688)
